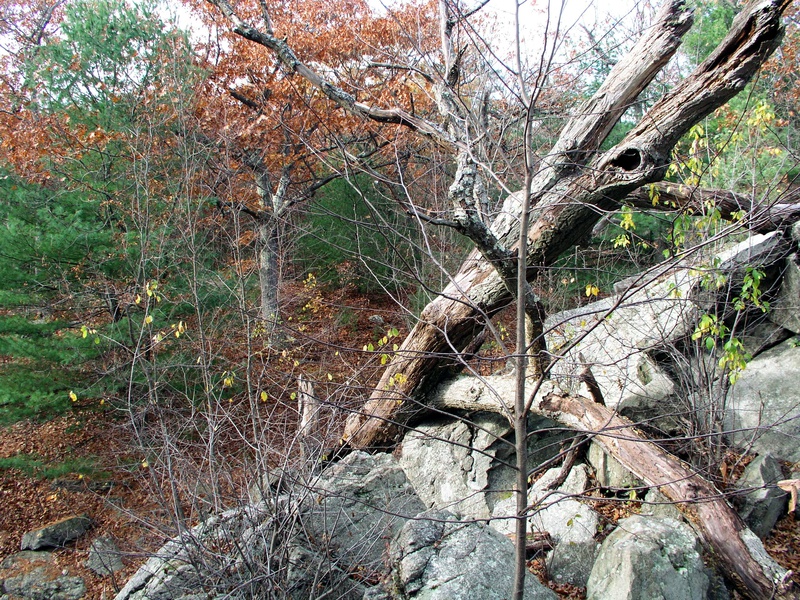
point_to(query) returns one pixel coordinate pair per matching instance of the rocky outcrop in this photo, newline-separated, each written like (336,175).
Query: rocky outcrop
(359,524)
(37,576)
(357,507)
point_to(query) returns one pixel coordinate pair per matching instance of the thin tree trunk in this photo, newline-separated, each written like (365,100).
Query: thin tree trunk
(268,270)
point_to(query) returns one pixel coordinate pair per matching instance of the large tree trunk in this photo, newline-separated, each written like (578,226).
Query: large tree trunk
(571,191)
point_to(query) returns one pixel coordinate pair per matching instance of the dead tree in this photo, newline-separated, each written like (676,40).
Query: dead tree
(574,185)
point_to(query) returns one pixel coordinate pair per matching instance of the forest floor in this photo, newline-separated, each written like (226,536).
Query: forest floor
(83,463)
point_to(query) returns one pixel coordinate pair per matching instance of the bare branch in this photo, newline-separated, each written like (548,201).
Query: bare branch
(289,59)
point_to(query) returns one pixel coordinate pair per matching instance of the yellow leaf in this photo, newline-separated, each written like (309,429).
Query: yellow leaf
(138,299)
(330,377)
(73,396)
(264,396)
(145,464)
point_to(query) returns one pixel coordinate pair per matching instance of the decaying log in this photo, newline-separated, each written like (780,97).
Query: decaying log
(737,550)
(756,215)
(570,192)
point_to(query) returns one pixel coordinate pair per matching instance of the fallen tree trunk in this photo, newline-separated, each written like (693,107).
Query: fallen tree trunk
(738,551)
(757,216)
(572,190)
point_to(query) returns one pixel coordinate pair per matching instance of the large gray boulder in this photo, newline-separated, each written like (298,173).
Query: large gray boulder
(647,558)
(357,507)
(437,557)
(763,407)
(616,343)
(464,466)
(57,534)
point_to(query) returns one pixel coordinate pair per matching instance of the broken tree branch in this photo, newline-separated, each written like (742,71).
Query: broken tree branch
(739,552)
(570,196)
(755,215)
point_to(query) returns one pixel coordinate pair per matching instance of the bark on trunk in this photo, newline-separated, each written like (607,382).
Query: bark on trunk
(268,275)
(737,550)
(571,191)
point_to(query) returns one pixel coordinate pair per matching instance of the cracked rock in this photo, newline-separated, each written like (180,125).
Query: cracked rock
(436,557)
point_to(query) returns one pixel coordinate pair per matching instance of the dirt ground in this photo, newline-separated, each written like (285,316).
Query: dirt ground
(111,496)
